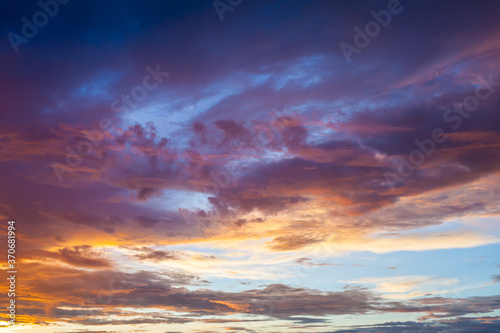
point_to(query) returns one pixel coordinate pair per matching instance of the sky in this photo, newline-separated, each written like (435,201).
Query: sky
(250,166)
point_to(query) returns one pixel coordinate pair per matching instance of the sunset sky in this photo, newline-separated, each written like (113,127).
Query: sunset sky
(251,166)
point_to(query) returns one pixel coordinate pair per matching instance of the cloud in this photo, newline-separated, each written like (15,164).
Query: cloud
(146,253)
(83,256)
(463,325)
(80,256)
(286,243)
(307,262)
(401,287)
